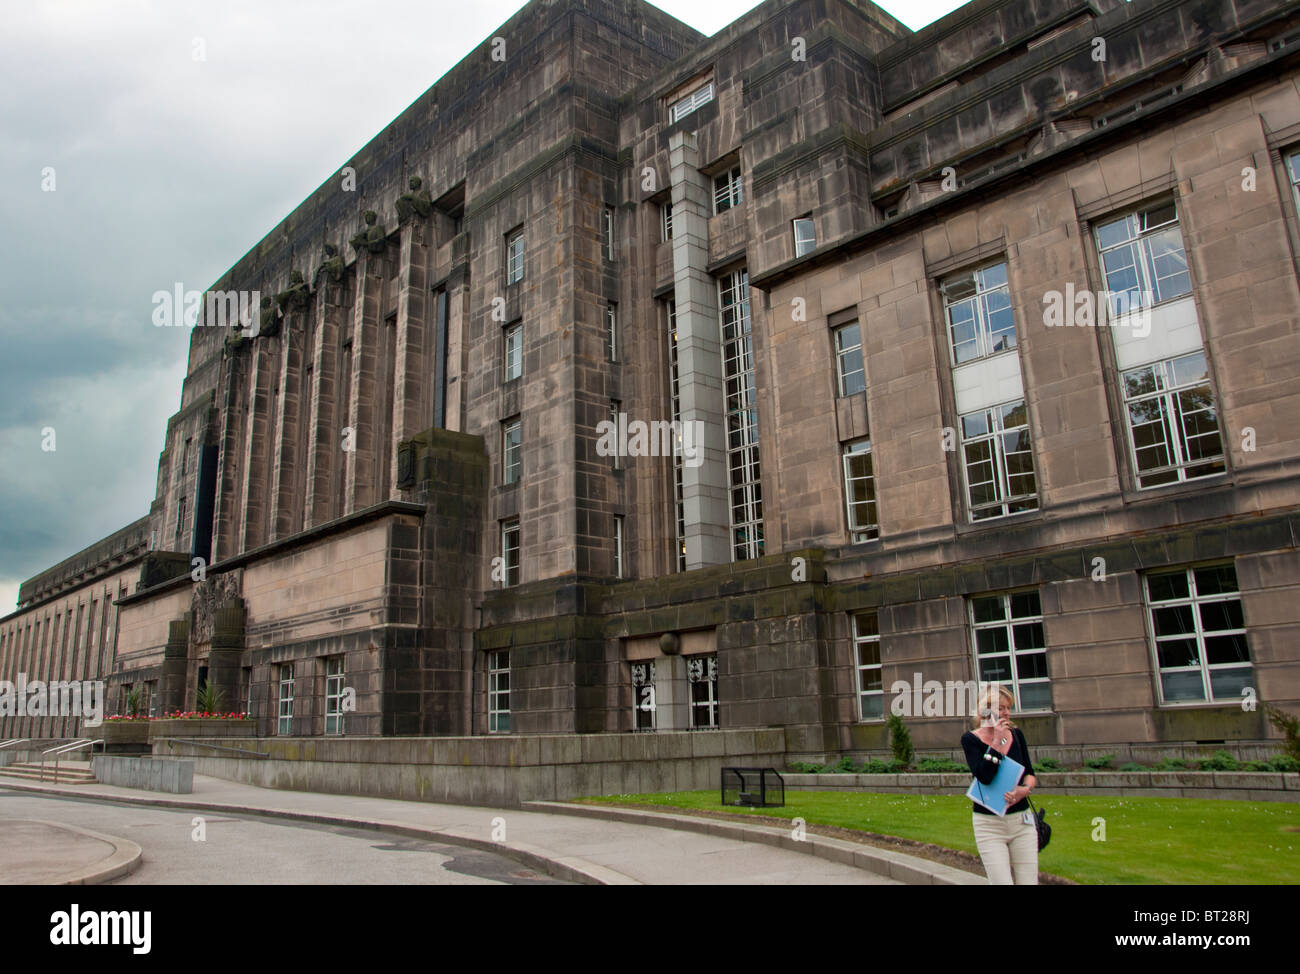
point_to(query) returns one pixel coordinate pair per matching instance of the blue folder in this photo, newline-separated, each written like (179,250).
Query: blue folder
(990,795)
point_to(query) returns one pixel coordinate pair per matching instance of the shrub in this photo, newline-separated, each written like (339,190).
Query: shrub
(133,702)
(1098,763)
(1222,761)
(1284,762)
(1170,764)
(804,767)
(1048,764)
(941,764)
(209,698)
(900,741)
(1290,728)
(1258,766)
(843,766)
(1131,766)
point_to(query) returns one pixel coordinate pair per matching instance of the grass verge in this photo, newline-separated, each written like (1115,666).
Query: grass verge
(1147,840)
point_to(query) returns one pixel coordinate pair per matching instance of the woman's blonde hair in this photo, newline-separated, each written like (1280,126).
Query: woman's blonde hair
(987,701)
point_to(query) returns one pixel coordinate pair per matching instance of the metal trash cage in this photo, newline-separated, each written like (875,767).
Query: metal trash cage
(753,787)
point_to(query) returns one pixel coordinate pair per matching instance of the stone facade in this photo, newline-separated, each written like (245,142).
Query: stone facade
(395,476)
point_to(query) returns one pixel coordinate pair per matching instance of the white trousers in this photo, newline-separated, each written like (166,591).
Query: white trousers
(1007,845)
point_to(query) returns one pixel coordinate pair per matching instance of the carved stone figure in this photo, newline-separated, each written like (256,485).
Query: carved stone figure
(373,238)
(416,201)
(296,297)
(269,324)
(332,265)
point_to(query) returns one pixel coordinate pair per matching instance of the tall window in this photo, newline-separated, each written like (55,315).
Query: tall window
(1293,175)
(742,417)
(1143,259)
(727,190)
(515,257)
(643,695)
(805,236)
(666,221)
(609,233)
(860,491)
(611,328)
(1010,648)
(684,106)
(1199,634)
(866,654)
(510,551)
(498,667)
(998,461)
(180,520)
(514,351)
(849,368)
(1172,420)
(511,452)
(334,695)
(284,724)
(679,505)
(977,306)
(618,545)
(616,407)
(702,674)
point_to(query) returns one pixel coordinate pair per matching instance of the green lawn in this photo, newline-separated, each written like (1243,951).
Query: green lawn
(1148,840)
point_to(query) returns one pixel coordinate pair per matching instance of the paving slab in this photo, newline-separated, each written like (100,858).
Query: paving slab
(37,853)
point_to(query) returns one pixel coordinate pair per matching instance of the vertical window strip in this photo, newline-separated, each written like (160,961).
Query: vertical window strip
(742,417)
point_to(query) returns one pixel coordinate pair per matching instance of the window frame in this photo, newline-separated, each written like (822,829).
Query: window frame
(702,671)
(666,221)
(608,225)
(512,452)
(1195,600)
(1013,653)
(984,332)
(515,256)
(511,526)
(844,351)
(690,102)
(731,192)
(1144,261)
(1172,418)
(643,708)
(334,677)
(860,669)
(810,239)
(1002,476)
(498,672)
(284,701)
(513,335)
(849,450)
(611,326)
(618,545)
(744,466)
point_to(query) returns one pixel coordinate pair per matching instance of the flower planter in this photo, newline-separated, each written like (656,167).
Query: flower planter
(119,732)
(201,728)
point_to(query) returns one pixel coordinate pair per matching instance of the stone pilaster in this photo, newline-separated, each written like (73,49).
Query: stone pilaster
(171,687)
(324,437)
(699,360)
(412,410)
(359,462)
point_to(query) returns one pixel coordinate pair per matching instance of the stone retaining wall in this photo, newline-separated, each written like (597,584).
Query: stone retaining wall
(499,771)
(148,773)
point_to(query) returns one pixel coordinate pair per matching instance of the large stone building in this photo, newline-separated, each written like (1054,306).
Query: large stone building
(860,268)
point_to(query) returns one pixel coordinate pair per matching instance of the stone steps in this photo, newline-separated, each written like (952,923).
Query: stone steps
(69,773)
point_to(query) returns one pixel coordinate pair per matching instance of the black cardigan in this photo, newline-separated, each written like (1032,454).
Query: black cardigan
(985,770)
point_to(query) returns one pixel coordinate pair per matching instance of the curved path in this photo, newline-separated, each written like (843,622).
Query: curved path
(566,846)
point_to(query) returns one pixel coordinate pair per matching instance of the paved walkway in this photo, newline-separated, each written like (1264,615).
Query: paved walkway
(575,847)
(40,852)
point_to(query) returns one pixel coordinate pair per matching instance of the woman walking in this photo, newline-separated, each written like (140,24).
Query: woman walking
(1007,844)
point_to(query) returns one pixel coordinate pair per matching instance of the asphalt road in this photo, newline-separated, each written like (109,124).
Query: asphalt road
(248,849)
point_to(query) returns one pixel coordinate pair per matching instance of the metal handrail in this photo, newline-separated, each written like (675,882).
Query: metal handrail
(216,747)
(62,749)
(12,741)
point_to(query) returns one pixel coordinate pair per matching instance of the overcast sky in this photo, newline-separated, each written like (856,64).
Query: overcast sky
(128,164)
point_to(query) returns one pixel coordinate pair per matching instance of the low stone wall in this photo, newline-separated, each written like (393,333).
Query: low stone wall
(1239,785)
(1073,755)
(163,727)
(499,770)
(148,773)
